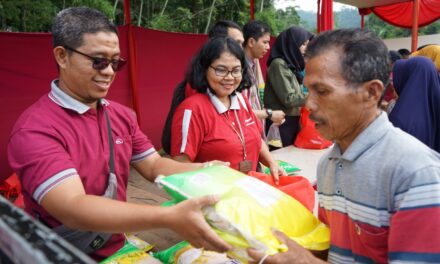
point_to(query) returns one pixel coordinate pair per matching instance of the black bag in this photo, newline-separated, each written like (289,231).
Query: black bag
(88,241)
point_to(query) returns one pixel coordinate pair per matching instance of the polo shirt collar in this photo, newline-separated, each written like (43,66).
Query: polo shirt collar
(365,140)
(219,106)
(66,101)
(250,62)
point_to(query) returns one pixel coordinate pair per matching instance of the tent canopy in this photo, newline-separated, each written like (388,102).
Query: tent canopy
(370,3)
(399,12)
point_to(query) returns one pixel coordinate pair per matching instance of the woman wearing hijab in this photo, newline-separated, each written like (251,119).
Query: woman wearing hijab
(417,110)
(390,96)
(284,90)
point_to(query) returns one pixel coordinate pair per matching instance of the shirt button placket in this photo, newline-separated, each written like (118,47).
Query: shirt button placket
(339,168)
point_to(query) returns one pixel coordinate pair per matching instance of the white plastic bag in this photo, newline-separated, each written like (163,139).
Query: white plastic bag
(274,137)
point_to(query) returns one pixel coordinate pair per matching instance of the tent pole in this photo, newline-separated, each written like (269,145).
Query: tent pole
(252,9)
(330,18)
(326,19)
(318,17)
(415,26)
(324,15)
(132,61)
(362,21)
(127,15)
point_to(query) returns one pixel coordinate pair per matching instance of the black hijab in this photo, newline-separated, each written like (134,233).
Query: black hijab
(287,47)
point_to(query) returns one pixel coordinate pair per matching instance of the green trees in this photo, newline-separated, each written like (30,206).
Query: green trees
(384,30)
(27,15)
(195,16)
(192,16)
(36,16)
(387,31)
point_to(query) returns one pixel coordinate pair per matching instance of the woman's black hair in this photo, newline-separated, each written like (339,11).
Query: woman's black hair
(196,76)
(211,51)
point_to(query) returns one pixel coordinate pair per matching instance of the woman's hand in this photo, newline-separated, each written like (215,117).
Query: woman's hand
(278,117)
(276,171)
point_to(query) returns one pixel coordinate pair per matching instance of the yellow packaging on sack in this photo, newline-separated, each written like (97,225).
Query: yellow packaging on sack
(200,256)
(184,253)
(247,211)
(135,251)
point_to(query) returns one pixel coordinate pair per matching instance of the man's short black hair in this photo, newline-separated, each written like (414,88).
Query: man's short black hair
(254,29)
(220,28)
(364,56)
(70,25)
(404,52)
(394,56)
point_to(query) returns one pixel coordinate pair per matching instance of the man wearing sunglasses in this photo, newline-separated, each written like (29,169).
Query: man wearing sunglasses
(73,149)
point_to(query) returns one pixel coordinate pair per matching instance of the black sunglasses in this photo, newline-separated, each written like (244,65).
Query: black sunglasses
(101,63)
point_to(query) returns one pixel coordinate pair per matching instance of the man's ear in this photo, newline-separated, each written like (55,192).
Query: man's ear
(60,55)
(251,42)
(373,91)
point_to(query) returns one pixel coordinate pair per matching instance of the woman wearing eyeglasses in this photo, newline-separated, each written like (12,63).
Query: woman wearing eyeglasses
(218,123)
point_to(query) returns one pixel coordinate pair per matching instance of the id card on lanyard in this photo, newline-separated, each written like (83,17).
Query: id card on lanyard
(245,165)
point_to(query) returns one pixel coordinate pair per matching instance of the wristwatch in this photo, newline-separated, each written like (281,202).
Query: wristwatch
(269,113)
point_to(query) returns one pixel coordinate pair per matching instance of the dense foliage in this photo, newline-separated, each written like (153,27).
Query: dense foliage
(195,16)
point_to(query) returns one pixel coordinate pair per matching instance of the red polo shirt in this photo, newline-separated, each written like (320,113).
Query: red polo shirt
(202,129)
(59,137)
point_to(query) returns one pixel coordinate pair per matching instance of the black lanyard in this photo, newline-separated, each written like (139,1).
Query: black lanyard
(240,135)
(111,162)
(88,241)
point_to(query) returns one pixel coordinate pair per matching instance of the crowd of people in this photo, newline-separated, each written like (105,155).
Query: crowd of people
(378,187)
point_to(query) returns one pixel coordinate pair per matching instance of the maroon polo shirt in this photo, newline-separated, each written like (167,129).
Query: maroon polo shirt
(58,137)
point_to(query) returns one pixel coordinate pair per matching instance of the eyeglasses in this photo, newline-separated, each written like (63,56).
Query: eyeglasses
(102,63)
(222,72)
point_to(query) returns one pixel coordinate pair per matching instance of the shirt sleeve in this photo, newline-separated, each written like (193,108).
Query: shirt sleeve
(251,113)
(285,85)
(40,159)
(142,145)
(186,132)
(414,228)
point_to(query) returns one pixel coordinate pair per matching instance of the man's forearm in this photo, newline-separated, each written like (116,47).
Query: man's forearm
(96,213)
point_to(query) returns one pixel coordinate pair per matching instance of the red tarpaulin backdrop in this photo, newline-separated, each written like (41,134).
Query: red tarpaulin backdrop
(27,67)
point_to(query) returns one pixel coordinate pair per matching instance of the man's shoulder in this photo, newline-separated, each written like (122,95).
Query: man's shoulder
(40,110)
(399,141)
(117,106)
(405,154)
(120,110)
